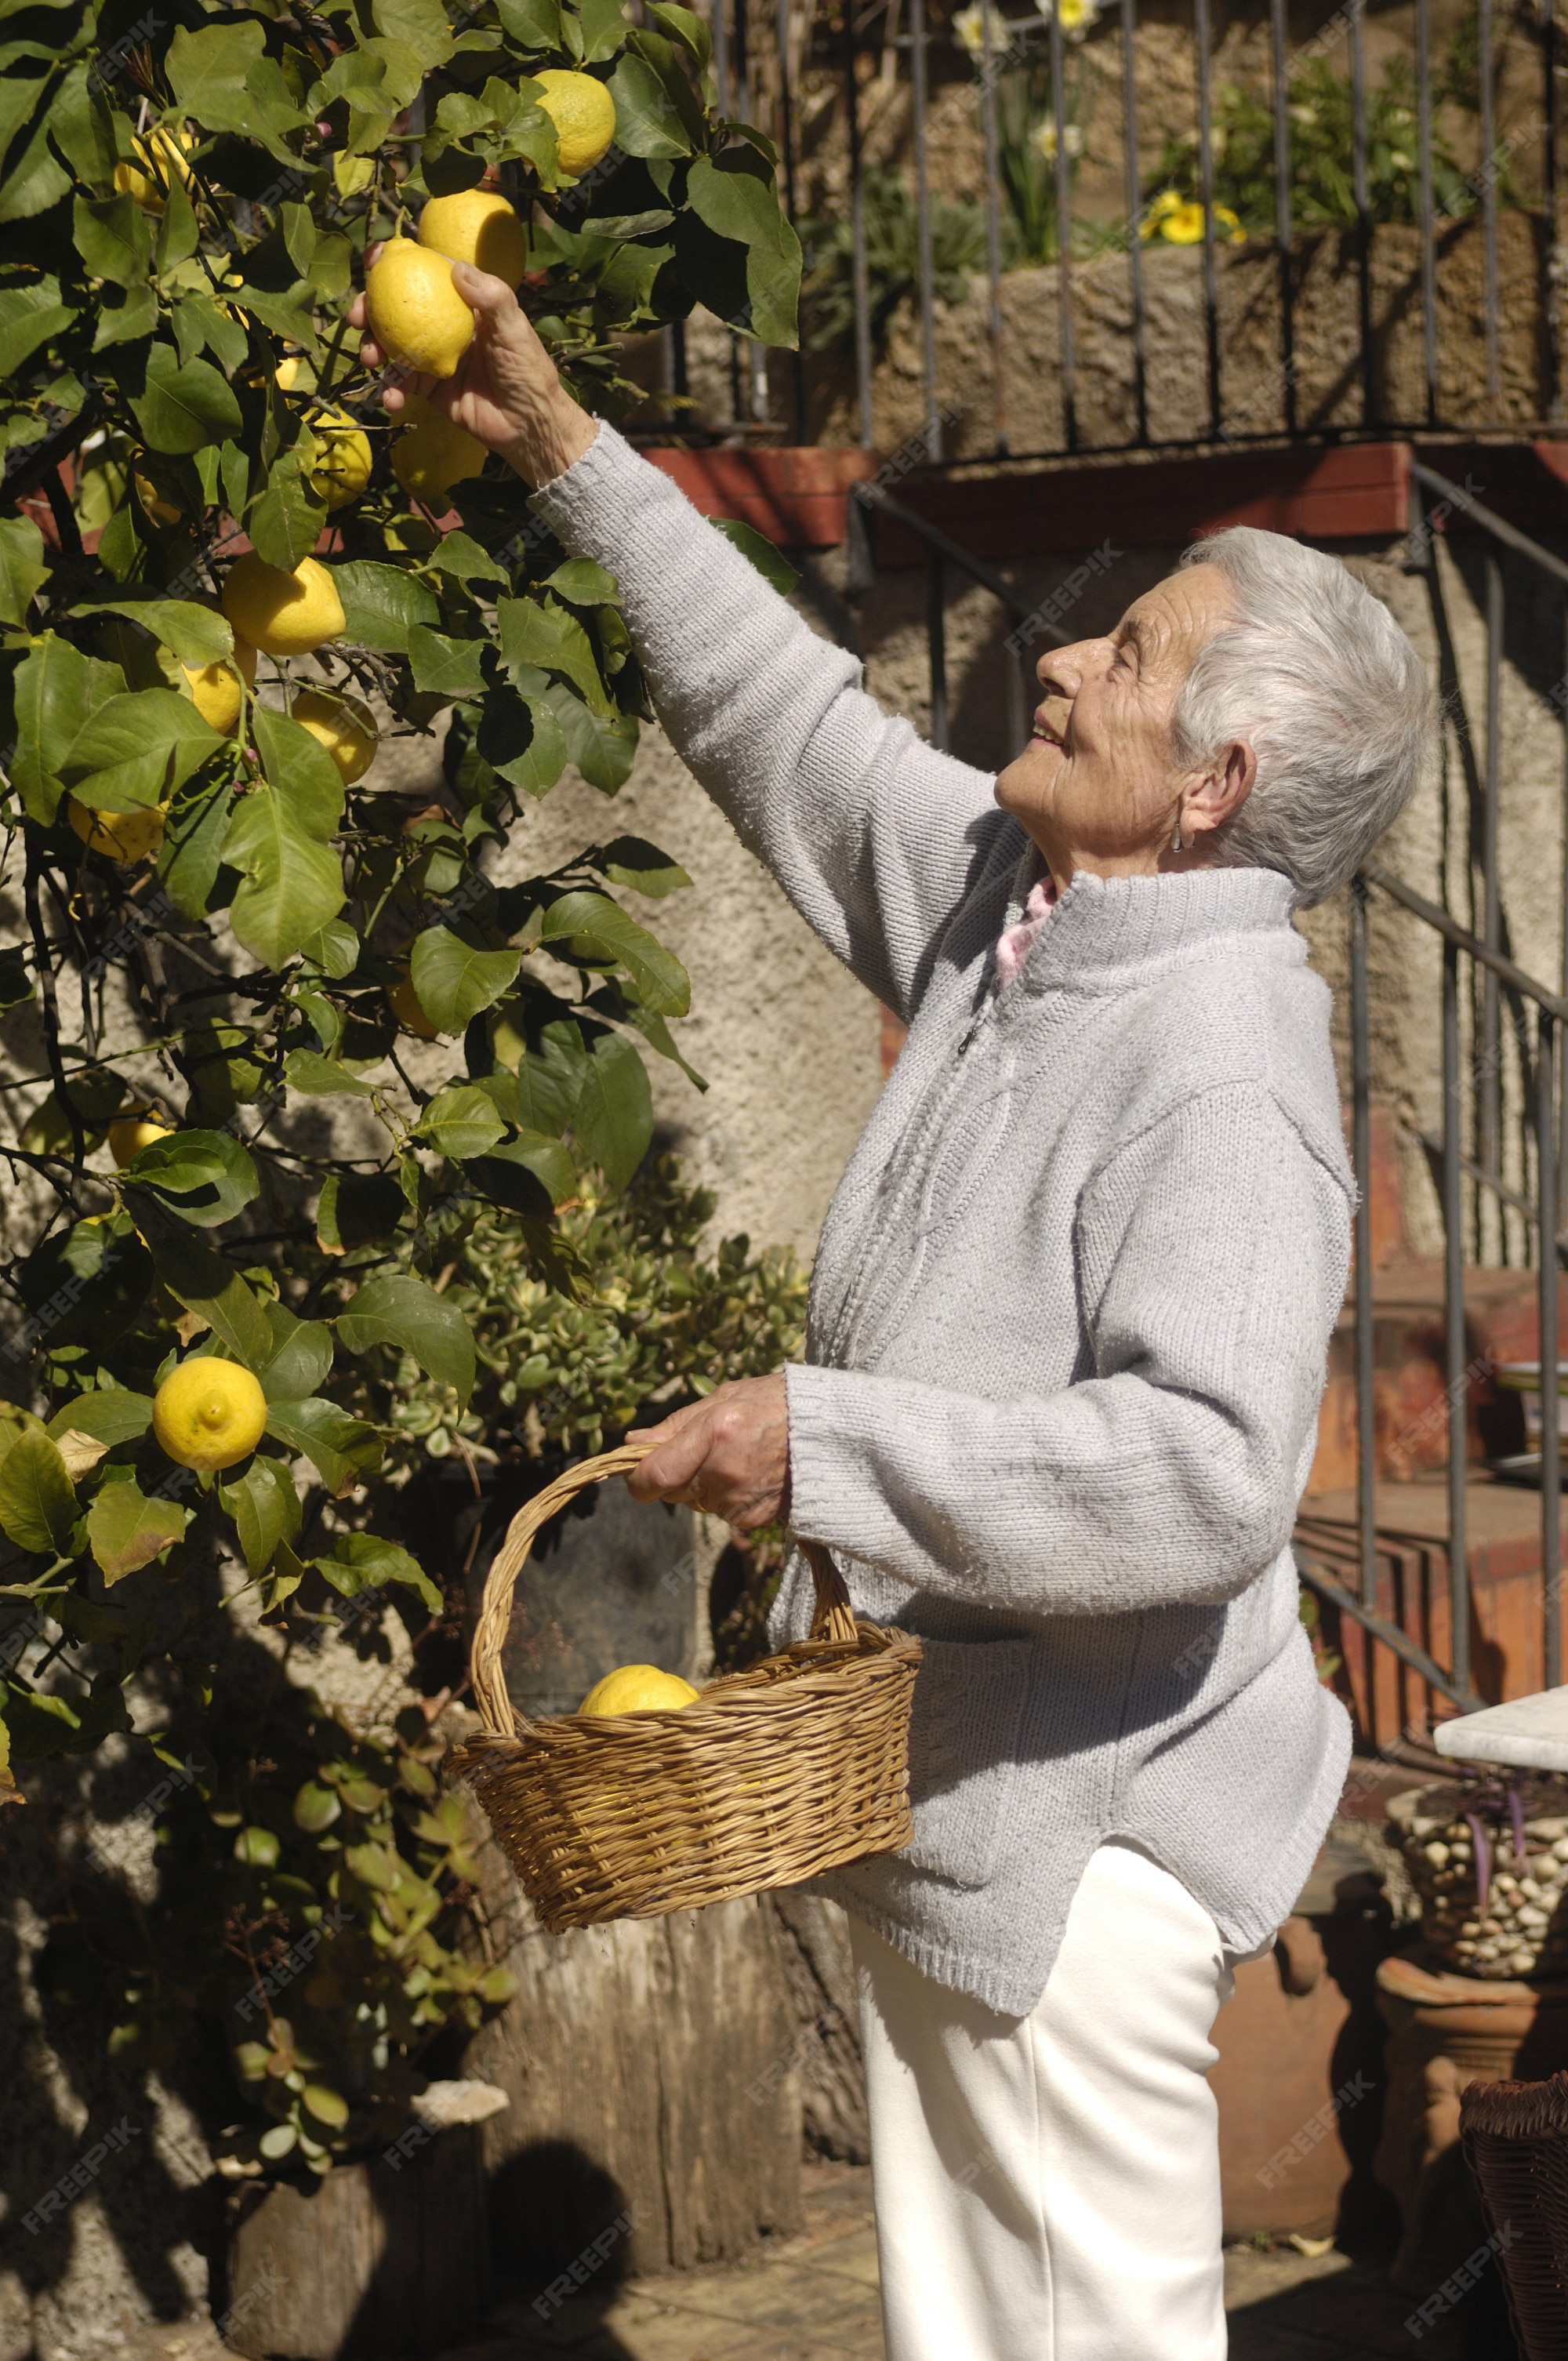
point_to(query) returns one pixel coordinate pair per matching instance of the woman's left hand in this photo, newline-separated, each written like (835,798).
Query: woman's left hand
(728,1455)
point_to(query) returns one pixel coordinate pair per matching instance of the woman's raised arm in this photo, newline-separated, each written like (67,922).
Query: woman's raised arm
(873,835)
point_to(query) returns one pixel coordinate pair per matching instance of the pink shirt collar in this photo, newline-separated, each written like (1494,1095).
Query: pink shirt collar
(1019,940)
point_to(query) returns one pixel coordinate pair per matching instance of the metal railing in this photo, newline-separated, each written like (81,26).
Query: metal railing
(1477,117)
(1502,1033)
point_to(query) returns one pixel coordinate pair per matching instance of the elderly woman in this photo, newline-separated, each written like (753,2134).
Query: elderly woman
(1067,1343)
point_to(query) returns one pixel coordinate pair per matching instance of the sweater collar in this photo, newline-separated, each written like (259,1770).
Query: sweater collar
(1102,928)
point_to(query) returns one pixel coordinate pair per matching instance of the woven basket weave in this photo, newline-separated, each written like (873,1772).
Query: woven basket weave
(792,1766)
(1516,2144)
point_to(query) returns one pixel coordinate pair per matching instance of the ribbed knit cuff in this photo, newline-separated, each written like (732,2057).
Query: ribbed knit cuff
(826,1474)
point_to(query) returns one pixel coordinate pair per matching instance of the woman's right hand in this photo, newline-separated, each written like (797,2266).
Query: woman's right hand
(506,391)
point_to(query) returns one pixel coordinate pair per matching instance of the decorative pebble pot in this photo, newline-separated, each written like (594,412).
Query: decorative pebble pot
(1490,1863)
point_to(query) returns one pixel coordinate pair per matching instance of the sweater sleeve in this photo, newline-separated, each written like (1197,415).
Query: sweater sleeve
(872,834)
(1212,1252)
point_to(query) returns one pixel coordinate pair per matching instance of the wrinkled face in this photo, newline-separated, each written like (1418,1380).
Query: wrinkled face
(1098,786)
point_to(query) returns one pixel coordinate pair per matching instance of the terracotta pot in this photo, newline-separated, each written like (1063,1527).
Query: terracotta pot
(1446,2031)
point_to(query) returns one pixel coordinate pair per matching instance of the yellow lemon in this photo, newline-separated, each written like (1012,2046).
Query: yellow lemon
(154,499)
(133,1133)
(431,455)
(639,1688)
(344,726)
(477,226)
(285,614)
(163,154)
(123,836)
(214,688)
(287,373)
(208,1413)
(416,315)
(343,457)
(583,113)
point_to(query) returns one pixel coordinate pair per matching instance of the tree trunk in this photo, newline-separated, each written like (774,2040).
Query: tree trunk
(653,2083)
(375,2258)
(814,1938)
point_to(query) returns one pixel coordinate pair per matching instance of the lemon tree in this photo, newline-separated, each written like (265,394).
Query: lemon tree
(227,577)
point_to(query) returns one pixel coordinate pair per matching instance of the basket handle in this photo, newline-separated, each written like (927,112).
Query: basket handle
(833,1619)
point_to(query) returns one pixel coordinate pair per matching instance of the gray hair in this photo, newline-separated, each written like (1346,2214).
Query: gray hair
(1315,674)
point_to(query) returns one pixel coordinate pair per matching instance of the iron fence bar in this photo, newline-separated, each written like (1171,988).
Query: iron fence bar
(937,647)
(873,496)
(1448,1685)
(1363,209)
(1553,386)
(1366,1400)
(1526,1213)
(1488,199)
(1556,1004)
(1550,1445)
(1283,227)
(786,146)
(917,62)
(1134,208)
(1429,244)
(1455,1370)
(1560,700)
(1206,193)
(1489,1094)
(860,276)
(720,28)
(1064,232)
(992,228)
(1476,512)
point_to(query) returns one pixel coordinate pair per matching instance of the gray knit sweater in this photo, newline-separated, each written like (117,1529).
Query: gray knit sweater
(1072,1306)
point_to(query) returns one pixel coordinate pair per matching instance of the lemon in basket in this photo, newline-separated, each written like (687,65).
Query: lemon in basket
(639,1688)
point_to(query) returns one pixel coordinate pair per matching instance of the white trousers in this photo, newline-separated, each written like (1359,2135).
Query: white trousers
(1048,2187)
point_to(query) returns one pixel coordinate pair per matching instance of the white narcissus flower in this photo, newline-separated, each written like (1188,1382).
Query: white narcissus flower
(1046,140)
(969,31)
(1077,17)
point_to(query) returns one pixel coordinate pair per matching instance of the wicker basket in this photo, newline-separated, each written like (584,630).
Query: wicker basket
(792,1766)
(1516,2144)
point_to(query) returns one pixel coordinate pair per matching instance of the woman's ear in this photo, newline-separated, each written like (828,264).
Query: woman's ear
(1218,793)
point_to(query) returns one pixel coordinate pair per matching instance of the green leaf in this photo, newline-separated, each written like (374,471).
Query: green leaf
(113,239)
(508,1172)
(30,316)
(124,318)
(371,1562)
(22,566)
(402,1310)
(196,634)
(90,1282)
(454,978)
(358,1208)
(209,1171)
(688,30)
(522,741)
(126,1529)
(302,1360)
(459,554)
(461,1121)
(381,604)
(190,855)
(327,2105)
(265,1508)
(257,1848)
(537,636)
(334,948)
(602,748)
(179,233)
(200,1278)
(648,121)
(447,667)
(583,583)
(734,204)
(15,983)
(632,861)
(285,521)
(420,25)
(307,779)
(109,1415)
(35,181)
(291,884)
(37,1506)
(54,692)
(533,24)
(184,405)
(223,76)
(199,321)
(598,928)
(316,1808)
(769,562)
(340,1449)
(136,748)
(614,1114)
(316,1077)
